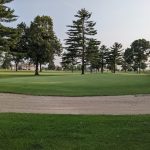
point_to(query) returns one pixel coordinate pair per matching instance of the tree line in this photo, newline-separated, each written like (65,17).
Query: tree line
(38,44)
(82,48)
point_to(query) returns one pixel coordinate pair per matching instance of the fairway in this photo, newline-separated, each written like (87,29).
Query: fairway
(59,132)
(67,84)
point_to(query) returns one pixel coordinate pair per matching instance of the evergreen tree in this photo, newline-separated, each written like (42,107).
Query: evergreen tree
(6,33)
(70,57)
(81,32)
(92,54)
(115,56)
(104,51)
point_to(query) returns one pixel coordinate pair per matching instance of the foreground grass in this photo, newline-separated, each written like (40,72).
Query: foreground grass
(67,84)
(62,132)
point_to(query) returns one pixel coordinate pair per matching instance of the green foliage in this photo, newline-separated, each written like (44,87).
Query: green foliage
(92,54)
(43,43)
(115,56)
(127,59)
(18,49)
(140,50)
(80,33)
(6,62)
(6,34)
(135,57)
(104,57)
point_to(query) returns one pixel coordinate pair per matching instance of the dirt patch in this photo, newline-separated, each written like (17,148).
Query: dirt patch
(115,105)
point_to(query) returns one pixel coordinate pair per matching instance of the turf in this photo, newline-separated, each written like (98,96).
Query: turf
(62,132)
(67,84)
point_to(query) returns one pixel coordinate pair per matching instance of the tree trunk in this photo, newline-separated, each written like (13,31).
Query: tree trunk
(139,67)
(40,67)
(83,51)
(37,68)
(83,68)
(91,70)
(72,69)
(114,66)
(102,68)
(16,67)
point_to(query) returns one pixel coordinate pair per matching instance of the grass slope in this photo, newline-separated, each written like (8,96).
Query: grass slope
(59,132)
(66,84)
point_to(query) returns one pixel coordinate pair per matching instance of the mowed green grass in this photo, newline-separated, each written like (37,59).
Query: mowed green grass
(65,132)
(68,84)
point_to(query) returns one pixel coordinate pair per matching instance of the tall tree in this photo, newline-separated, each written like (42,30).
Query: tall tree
(70,56)
(115,55)
(127,59)
(83,29)
(140,49)
(42,40)
(104,51)
(92,54)
(19,48)
(6,33)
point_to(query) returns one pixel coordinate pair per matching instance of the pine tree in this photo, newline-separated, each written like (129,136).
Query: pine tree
(104,51)
(6,33)
(70,56)
(115,56)
(92,54)
(82,30)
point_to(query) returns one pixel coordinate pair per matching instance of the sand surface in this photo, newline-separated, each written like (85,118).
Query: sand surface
(116,105)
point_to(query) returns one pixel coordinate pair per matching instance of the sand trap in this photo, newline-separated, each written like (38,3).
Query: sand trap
(116,105)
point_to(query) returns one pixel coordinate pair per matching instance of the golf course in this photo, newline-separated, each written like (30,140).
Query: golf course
(68,84)
(72,132)
(74,75)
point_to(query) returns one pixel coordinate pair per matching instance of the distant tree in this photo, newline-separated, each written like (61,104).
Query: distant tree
(143,66)
(42,40)
(127,59)
(82,29)
(104,51)
(17,57)
(19,48)
(140,53)
(6,63)
(92,54)
(115,55)
(51,66)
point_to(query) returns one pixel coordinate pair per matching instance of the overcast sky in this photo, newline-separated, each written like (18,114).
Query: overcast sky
(117,20)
